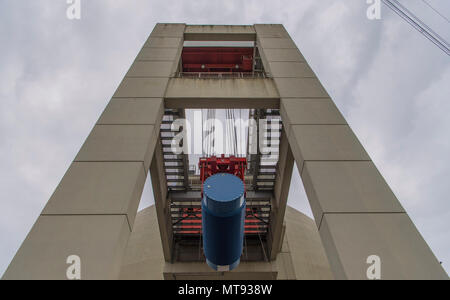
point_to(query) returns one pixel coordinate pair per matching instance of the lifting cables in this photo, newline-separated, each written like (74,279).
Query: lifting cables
(208,132)
(231,144)
(231,133)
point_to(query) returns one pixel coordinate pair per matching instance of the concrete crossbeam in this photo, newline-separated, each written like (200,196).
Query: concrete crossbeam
(219,33)
(227,93)
(201,271)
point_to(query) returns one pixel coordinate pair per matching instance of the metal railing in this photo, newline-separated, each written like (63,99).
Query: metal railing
(221,75)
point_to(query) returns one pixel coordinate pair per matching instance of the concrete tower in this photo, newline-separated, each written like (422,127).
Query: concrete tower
(93,212)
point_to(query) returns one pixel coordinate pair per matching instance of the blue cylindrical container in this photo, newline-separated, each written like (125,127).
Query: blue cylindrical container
(223,216)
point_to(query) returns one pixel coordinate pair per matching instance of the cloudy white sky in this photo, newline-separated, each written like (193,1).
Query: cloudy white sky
(57,75)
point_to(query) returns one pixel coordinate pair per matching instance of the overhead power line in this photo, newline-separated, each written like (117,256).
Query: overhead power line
(417,24)
(436,11)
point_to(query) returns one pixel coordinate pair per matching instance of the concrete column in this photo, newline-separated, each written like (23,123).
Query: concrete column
(279,200)
(92,211)
(170,39)
(355,210)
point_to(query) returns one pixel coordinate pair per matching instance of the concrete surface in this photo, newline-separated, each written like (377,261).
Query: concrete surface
(325,142)
(350,238)
(133,111)
(99,241)
(319,111)
(119,143)
(302,255)
(111,188)
(347,186)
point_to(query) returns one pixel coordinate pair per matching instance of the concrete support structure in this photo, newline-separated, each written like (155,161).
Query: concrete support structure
(301,256)
(355,210)
(280,197)
(92,212)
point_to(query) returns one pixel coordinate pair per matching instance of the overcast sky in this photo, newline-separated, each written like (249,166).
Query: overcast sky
(57,75)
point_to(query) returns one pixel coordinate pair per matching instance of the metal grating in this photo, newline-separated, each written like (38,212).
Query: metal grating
(175,165)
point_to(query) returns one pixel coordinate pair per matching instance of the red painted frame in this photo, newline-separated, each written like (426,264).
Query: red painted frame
(213,165)
(217,59)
